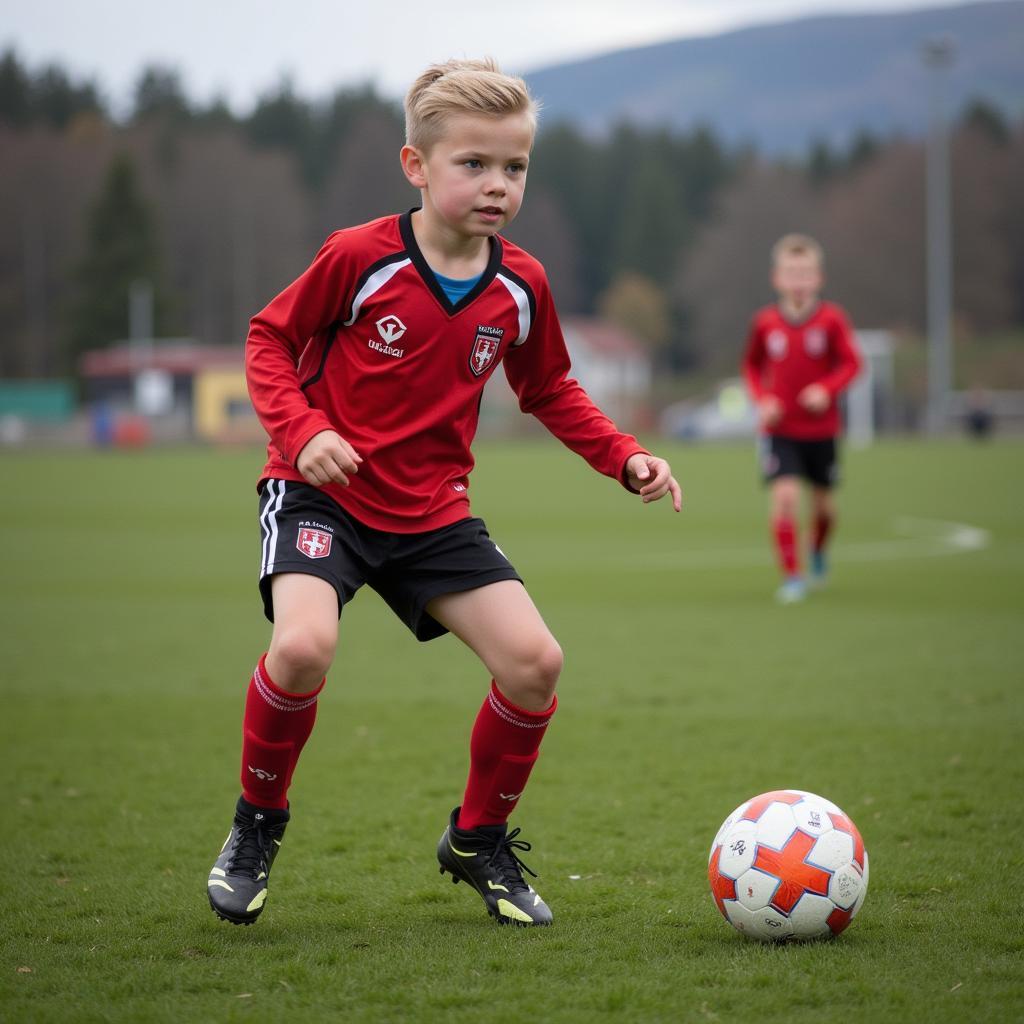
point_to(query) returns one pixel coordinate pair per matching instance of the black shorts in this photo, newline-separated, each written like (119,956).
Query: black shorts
(303,530)
(814,461)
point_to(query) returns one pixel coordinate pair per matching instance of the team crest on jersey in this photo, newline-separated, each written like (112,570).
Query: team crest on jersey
(777,343)
(314,543)
(485,348)
(815,342)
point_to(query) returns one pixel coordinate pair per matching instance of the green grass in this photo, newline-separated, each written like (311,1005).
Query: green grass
(131,623)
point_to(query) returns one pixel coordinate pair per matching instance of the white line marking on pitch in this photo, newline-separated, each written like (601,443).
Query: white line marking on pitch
(916,538)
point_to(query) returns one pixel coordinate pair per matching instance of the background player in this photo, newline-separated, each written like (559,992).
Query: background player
(367,373)
(799,358)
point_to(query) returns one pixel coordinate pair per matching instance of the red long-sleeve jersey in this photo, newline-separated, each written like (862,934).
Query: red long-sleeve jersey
(366,343)
(782,358)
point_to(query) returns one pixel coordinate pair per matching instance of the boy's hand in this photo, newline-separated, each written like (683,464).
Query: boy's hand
(653,478)
(769,411)
(815,398)
(327,458)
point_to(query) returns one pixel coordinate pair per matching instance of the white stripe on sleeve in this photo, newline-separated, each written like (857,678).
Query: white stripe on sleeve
(522,302)
(374,283)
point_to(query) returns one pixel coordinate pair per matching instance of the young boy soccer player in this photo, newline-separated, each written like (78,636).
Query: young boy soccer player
(367,373)
(800,356)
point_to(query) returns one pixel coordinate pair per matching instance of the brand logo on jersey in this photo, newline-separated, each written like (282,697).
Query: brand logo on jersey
(815,342)
(777,343)
(485,348)
(390,328)
(314,543)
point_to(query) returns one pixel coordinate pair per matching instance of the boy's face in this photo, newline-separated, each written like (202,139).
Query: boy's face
(474,176)
(797,278)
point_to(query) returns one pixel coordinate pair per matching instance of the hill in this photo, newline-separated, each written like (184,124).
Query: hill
(781,86)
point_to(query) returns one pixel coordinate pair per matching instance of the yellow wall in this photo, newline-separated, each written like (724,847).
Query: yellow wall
(216,392)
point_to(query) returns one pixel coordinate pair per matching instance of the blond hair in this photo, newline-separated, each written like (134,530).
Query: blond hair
(462,87)
(797,245)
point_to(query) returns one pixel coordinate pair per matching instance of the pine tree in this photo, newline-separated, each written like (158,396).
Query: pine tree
(15,91)
(121,248)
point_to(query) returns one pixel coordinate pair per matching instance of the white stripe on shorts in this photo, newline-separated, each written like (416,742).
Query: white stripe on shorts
(268,523)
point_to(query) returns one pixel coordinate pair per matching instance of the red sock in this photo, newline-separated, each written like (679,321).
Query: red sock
(785,545)
(502,750)
(822,528)
(274,731)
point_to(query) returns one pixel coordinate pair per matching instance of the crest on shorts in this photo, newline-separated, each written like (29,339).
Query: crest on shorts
(815,342)
(314,543)
(777,343)
(485,348)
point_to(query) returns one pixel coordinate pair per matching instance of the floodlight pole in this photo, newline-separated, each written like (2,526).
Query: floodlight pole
(140,320)
(938,54)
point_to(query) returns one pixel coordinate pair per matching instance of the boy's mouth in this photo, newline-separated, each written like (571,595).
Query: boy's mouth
(491,211)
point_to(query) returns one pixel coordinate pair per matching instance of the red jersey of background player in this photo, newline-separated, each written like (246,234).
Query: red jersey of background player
(367,343)
(783,357)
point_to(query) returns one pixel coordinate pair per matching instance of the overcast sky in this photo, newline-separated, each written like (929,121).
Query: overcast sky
(239,49)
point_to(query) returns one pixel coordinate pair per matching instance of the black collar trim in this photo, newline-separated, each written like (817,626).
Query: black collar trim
(430,280)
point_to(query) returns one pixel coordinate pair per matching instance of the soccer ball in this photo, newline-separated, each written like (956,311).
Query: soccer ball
(788,865)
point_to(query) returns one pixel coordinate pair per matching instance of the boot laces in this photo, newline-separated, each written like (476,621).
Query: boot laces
(507,864)
(252,850)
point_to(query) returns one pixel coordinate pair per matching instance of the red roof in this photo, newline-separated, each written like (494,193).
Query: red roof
(177,357)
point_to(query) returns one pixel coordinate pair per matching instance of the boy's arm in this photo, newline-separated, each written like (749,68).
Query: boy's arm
(769,408)
(753,358)
(277,336)
(847,358)
(538,371)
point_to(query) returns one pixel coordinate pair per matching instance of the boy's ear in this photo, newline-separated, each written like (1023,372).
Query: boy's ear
(413,165)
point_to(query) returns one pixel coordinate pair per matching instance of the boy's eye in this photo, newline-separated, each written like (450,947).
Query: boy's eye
(516,168)
(473,164)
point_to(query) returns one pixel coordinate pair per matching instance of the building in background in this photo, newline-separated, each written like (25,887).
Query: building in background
(613,366)
(170,389)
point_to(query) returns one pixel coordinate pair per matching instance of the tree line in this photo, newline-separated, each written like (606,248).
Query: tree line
(665,232)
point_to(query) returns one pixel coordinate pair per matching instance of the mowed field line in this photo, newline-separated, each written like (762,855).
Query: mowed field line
(913,538)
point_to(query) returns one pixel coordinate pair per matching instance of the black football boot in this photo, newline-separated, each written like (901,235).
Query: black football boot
(237,886)
(485,857)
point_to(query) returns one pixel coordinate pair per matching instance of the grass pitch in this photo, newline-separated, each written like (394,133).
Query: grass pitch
(131,622)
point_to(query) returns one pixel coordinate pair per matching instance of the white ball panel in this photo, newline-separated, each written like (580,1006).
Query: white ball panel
(863,888)
(739,917)
(832,850)
(812,818)
(770,926)
(738,849)
(846,886)
(755,889)
(810,916)
(776,825)
(727,824)
(765,925)
(813,798)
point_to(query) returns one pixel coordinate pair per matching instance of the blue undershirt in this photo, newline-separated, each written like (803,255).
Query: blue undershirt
(454,288)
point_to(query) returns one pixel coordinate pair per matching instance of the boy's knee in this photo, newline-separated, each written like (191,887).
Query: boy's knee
(301,656)
(785,499)
(532,675)
(550,661)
